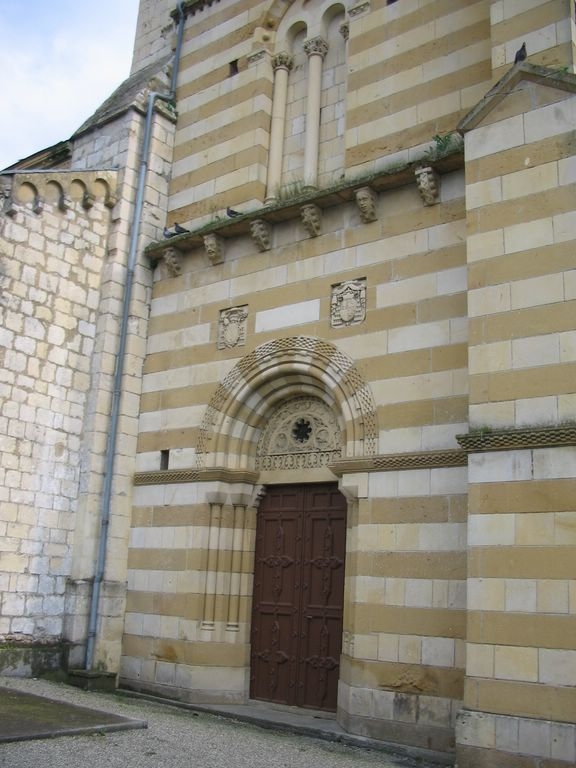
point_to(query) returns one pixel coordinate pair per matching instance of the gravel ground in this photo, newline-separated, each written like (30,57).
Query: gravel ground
(176,738)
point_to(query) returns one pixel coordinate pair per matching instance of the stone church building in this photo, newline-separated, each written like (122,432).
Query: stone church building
(288,381)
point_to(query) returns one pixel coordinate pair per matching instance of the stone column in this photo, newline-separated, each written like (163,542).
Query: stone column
(316,49)
(282,63)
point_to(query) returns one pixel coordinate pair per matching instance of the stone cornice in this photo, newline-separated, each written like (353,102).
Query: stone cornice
(192,7)
(482,440)
(217,474)
(278,212)
(401,461)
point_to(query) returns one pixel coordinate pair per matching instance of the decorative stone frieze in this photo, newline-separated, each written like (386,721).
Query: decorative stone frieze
(348,303)
(316,46)
(173,261)
(283,60)
(214,246)
(366,200)
(232,327)
(401,461)
(428,184)
(217,474)
(261,234)
(303,433)
(312,219)
(517,439)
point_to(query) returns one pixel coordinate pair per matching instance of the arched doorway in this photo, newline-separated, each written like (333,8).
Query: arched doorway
(296,636)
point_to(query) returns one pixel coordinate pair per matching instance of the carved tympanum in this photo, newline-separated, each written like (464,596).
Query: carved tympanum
(302,433)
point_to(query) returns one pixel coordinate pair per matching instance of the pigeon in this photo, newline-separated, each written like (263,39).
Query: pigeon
(231,212)
(168,233)
(520,54)
(180,230)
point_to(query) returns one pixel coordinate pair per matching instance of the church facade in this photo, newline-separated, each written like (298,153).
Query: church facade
(289,356)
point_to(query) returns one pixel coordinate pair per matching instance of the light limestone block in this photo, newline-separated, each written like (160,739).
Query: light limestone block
(521,595)
(486,358)
(287,316)
(483,193)
(516,663)
(479,660)
(490,300)
(497,137)
(484,245)
(535,351)
(554,463)
(530,180)
(529,234)
(557,667)
(501,466)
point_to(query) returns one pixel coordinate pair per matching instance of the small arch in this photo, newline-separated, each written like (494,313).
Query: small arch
(54,192)
(26,193)
(274,373)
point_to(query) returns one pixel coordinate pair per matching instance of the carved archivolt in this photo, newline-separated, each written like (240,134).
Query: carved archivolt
(302,433)
(275,373)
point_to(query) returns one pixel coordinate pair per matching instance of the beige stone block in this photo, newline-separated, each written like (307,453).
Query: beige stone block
(485,358)
(554,463)
(536,350)
(503,466)
(529,234)
(557,667)
(479,660)
(483,193)
(552,596)
(410,649)
(564,227)
(387,647)
(536,411)
(366,647)
(486,594)
(530,180)
(550,120)
(535,529)
(438,651)
(484,245)
(497,137)
(565,528)
(501,414)
(490,300)
(521,595)
(516,663)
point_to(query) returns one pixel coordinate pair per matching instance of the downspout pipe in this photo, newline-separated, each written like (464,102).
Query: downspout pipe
(106,500)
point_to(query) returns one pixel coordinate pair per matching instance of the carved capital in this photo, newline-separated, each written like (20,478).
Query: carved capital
(344,29)
(312,219)
(214,246)
(283,60)
(429,185)
(366,200)
(316,46)
(173,261)
(261,234)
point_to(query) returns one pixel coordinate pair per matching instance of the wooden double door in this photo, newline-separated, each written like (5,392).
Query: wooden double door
(296,637)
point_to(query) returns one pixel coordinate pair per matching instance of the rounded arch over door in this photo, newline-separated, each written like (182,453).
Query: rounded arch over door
(271,374)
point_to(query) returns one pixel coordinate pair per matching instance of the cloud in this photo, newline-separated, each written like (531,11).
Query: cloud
(58,70)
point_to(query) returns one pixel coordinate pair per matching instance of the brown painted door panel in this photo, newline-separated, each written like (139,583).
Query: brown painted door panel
(298,596)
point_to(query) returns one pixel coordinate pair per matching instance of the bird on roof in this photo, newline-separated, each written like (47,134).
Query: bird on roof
(520,54)
(231,212)
(180,230)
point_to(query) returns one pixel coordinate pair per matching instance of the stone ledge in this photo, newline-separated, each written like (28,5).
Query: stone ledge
(517,439)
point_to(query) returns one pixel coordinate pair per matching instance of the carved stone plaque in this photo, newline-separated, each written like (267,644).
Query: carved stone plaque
(232,327)
(348,303)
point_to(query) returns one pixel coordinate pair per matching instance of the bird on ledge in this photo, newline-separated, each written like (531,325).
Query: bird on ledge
(178,230)
(231,212)
(520,54)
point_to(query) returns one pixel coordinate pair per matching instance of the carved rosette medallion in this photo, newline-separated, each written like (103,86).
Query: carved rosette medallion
(232,327)
(303,433)
(348,303)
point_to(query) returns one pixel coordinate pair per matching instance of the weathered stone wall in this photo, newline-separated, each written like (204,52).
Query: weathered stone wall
(53,248)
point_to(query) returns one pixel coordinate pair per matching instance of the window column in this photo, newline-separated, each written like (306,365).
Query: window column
(316,48)
(282,63)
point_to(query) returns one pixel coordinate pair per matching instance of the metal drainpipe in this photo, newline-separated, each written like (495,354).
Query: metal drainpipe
(118,373)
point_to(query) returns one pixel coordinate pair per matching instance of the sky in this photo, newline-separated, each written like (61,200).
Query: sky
(59,60)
